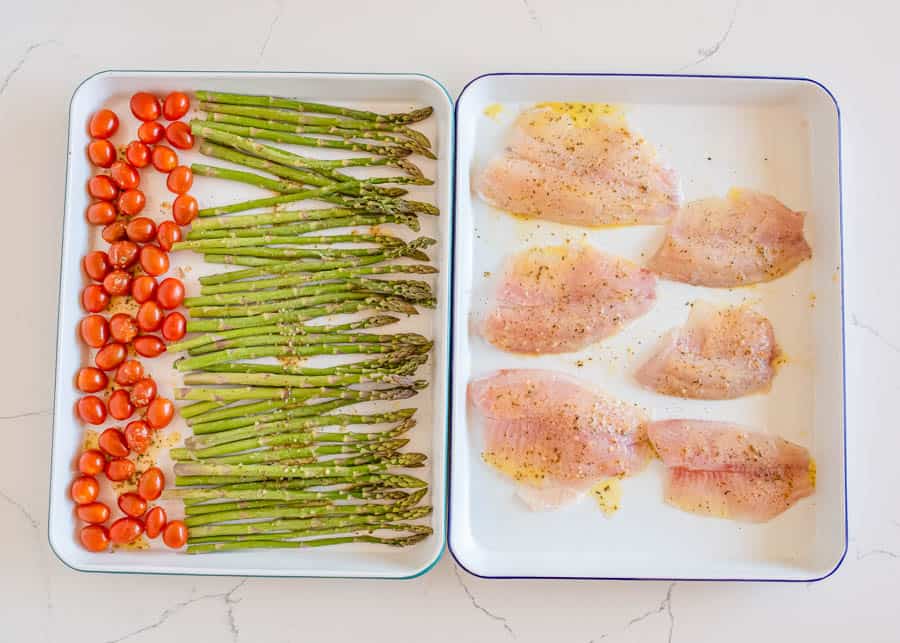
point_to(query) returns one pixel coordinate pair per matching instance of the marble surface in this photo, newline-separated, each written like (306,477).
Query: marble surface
(46,48)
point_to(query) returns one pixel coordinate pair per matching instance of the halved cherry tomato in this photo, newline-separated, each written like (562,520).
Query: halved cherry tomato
(184,209)
(119,469)
(150,316)
(91,380)
(129,372)
(143,288)
(94,538)
(170,293)
(138,436)
(91,462)
(110,356)
(101,213)
(132,504)
(94,330)
(96,265)
(123,328)
(150,484)
(174,327)
(144,392)
(112,442)
(91,409)
(145,106)
(154,260)
(164,158)
(94,298)
(125,530)
(115,231)
(101,187)
(101,153)
(119,405)
(138,154)
(159,413)
(92,512)
(104,123)
(131,202)
(175,534)
(149,345)
(84,489)
(168,234)
(179,135)
(124,175)
(140,229)
(123,254)
(176,105)
(155,522)
(151,132)
(180,179)
(118,282)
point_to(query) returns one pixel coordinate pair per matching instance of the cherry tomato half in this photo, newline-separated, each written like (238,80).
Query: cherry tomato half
(170,293)
(138,436)
(91,380)
(159,413)
(92,512)
(84,489)
(145,106)
(174,327)
(91,409)
(154,260)
(96,265)
(119,469)
(104,123)
(110,356)
(144,392)
(112,442)
(94,298)
(175,534)
(168,234)
(123,254)
(164,158)
(180,179)
(176,105)
(131,202)
(94,538)
(150,484)
(115,231)
(101,213)
(179,135)
(132,504)
(102,187)
(119,405)
(94,330)
(143,288)
(155,522)
(151,132)
(140,229)
(118,282)
(149,316)
(184,209)
(124,175)
(101,153)
(125,530)
(149,346)
(129,372)
(123,328)
(91,462)
(138,154)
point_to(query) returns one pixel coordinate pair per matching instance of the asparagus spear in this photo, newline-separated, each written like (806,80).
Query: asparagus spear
(406,541)
(292,535)
(381,480)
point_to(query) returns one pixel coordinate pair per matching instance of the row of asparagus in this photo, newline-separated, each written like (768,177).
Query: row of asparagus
(278,457)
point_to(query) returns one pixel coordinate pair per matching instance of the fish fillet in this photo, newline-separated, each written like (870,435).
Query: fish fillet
(724,470)
(557,299)
(746,238)
(554,436)
(578,163)
(720,354)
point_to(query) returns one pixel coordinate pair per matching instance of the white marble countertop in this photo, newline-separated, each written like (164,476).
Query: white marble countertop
(47,48)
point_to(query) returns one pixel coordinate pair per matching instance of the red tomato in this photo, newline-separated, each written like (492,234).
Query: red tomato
(91,380)
(129,372)
(110,356)
(131,202)
(144,392)
(115,231)
(91,409)
(119,469)
(132,504)
(112,442)
(94,538)
(140,229)
(184,209)
(123,328)
(138,154)
(145,106)
(96,265)
(123,254)
(101,213)
(101,153)
(179,135)
(92,512)
(101,187)
(94,330)
(118,282)
(149,345)
(159,413)
(151,132)
(164,158)
(91,462)
(125,530)
(154,260)
(138,436)
(155,522)
(119,404)
(176,105)
(174,327)
(150,316)
(124,175)
(150,484)
(170,293)
(143,288)
(104,123)
(94,298)
(84,489)
(168,234)
(180,179)
(175,534)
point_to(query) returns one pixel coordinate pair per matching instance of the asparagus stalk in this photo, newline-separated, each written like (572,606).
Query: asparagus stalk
(281,339)
(406,541)
(411,290)
(298,471)
(198,409)
(402,362)
(380,480)
(274,234)
(292,535)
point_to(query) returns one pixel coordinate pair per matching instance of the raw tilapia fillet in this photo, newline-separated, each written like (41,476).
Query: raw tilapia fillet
(557,299)
(554,436)
(720,354)
(578,163)
(724,470)
(746,238)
